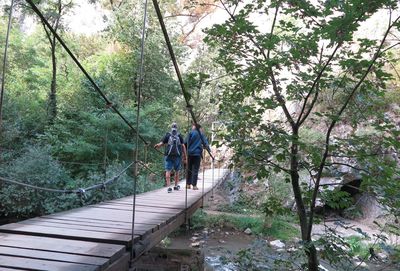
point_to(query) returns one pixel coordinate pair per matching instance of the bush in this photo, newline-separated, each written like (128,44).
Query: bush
(281,226)
(34,166)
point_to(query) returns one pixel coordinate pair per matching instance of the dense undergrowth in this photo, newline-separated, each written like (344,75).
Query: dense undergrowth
(281,227)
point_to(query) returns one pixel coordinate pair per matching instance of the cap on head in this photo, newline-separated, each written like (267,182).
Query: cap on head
(174,128)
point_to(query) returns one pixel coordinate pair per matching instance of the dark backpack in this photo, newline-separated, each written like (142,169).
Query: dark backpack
(174,145)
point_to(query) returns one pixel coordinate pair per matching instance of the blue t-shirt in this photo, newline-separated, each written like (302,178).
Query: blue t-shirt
(195,142)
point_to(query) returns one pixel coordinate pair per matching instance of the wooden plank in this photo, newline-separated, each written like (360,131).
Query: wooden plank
(139,208)
(35,264)
(159,203)
(118,215)
(94,216)
(54,256)
(62,245)
(79,227)
(112,238)
(99,222)
(85,223)
(150,205)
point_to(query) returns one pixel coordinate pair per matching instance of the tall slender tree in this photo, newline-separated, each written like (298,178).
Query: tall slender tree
(311,67)
(54,11)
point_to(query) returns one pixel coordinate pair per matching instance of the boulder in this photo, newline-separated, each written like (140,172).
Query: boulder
(370,207)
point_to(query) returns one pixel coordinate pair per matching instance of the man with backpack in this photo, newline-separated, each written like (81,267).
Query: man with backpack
(195,141)
(175,150)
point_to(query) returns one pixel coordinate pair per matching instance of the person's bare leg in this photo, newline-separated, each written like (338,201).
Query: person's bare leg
(168,178)
(176,177)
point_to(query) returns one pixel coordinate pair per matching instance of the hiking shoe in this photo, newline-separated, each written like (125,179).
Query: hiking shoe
(188,186)
(195,188)
(177,187)
(169,190)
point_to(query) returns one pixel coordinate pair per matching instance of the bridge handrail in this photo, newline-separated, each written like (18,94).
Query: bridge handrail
(78,191)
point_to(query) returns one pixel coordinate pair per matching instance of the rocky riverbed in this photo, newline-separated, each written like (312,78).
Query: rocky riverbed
(231,247)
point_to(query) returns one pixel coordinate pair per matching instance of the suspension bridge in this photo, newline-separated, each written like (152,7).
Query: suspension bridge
(110,235)
(98,237)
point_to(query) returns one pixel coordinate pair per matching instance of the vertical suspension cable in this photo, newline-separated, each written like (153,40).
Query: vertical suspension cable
(212,160)
(145,154)
(136,151)
(204,170)
(187,167)
(212,170)
(105,159)
(3,73)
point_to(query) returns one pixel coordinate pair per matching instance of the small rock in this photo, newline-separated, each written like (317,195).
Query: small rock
(221,241)
(195,244)
(195,238)
(382,255)
(360,264)
(248,231)
(277,244)
(226,233)
(196,234)
(291,249)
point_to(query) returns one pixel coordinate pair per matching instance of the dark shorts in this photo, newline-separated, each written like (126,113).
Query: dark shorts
(173,163)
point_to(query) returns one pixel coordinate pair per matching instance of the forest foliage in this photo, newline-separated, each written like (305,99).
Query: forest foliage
(85,143)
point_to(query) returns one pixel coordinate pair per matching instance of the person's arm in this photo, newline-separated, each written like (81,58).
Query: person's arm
(184,153)
(187,140)
(205,143)
(158,145)
(163,142)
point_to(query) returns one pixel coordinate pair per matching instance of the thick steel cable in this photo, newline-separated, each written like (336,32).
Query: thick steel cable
(95,86)
(3,72)
(186,95)
(68,191)
(138,100)
(65,191)
(112,179)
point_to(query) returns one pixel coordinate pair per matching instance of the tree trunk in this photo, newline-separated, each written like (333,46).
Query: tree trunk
(312,257)
(301,210)
(53,86)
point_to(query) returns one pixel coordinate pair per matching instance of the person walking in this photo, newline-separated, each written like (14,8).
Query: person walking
(195,141)
(174,152)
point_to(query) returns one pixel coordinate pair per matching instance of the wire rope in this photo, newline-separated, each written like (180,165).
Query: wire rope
(138,101)
(4,69)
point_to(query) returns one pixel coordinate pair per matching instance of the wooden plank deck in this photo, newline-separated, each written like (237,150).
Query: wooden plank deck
(98,237)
